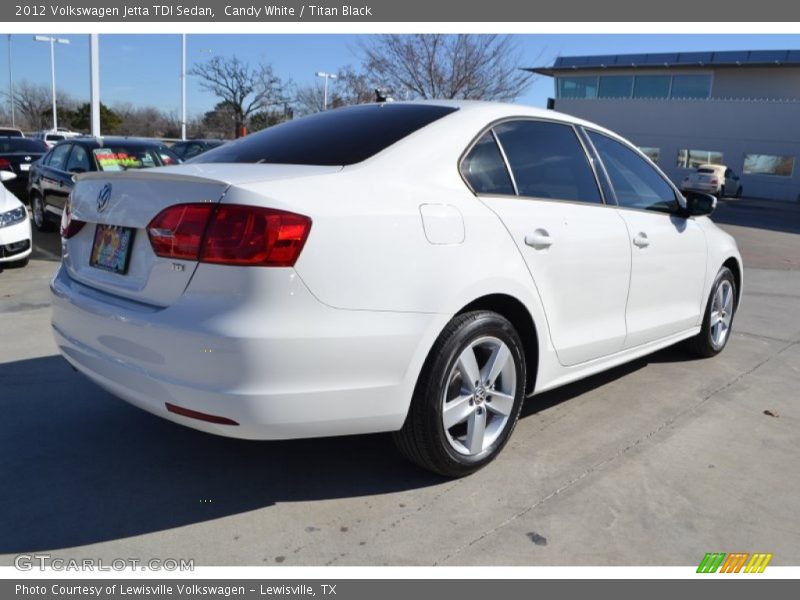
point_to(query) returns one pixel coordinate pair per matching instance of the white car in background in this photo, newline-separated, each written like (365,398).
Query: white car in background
(718,180)
(418,268)
(15,227)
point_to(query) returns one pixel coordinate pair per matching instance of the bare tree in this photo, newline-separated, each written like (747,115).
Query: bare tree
(243,88)
(463,66)
(349,87)
(32,102)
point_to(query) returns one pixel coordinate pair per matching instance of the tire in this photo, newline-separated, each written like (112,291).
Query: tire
(483,416)
(721,192)
(711,341)
(739,192)
(38,215)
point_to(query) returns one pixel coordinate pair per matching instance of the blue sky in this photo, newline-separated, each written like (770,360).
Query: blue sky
(144,69)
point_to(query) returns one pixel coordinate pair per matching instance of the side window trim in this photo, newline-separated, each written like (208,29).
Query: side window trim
(505,160)
(603,182)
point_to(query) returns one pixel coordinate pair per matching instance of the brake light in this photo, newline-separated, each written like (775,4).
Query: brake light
(70,226)
(5,164)
(231,234)
(177,231)
(714,182)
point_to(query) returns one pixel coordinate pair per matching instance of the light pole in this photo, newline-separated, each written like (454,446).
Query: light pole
(11,84)
(183,86)
(52,41)
(326,76)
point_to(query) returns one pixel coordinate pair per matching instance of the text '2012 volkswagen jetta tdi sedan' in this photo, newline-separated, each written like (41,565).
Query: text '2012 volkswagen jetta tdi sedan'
(418,268)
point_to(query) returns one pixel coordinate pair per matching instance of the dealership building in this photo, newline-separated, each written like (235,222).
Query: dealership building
(740,109)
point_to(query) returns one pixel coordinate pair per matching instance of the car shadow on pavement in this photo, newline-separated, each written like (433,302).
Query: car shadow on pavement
(80,466)
(771,215)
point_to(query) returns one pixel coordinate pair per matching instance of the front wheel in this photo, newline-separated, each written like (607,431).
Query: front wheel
(39,217)
(468,397)
(718,317)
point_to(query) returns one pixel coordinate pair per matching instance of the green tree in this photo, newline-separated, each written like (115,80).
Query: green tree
(82,118)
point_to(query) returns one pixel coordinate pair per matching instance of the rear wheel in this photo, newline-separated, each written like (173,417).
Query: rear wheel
(739,192)
(468,397)
(39,217)
(721,192)
(718,317)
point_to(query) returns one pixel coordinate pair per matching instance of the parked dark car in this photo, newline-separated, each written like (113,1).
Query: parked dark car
(17,154)
(191,148)
(51,179)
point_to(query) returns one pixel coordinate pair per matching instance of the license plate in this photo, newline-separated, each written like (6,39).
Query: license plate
(24,167)
(111,250)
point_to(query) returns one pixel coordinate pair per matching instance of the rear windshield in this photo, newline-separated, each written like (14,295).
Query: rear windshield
(10,132)
(22,145)
(51,137)
(343,136)
(122,158)
(706,171)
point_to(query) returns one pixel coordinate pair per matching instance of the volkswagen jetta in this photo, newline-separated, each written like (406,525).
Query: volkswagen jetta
(418,268)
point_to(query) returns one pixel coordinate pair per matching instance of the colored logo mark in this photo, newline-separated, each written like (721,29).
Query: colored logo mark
(736,562)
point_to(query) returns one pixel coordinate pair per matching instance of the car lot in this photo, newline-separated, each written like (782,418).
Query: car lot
(655,462)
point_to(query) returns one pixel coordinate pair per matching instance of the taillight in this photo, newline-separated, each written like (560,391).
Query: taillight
(231,234)
(177,231)
(714,182)
(5,165)
(70,226)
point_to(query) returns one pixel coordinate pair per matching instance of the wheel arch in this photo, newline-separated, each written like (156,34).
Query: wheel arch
(520,317)
(736,268)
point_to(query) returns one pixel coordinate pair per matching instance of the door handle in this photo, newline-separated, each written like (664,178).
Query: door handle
(640,240)
(539,239)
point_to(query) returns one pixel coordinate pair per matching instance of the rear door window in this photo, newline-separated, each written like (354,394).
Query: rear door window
(548,161)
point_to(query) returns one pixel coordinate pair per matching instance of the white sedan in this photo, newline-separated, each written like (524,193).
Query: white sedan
(418,268)
(15,227)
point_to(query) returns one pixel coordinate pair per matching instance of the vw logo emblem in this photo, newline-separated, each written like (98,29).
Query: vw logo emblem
(28,158)
(103,197)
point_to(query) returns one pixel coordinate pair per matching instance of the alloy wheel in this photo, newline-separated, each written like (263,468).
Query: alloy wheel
(479,398)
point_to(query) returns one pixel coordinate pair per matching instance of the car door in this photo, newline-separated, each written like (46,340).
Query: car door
(668,251)
(53,176)
(575,246)
(57,196)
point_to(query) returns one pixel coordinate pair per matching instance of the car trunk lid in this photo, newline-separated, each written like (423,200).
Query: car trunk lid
(117,209)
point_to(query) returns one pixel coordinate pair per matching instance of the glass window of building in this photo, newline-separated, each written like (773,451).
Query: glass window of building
(691,159)
(577,87)
(691,86)
(615,86)
(651,153)
(651,86)
(768,164)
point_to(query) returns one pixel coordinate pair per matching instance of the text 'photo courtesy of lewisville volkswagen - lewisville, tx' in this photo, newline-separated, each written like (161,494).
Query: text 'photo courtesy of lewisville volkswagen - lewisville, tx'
(279,291)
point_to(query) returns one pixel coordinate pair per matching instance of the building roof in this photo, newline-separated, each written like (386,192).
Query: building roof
(666,60)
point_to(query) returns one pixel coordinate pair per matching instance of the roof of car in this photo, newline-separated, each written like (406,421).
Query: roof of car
(713,167)
(103,141)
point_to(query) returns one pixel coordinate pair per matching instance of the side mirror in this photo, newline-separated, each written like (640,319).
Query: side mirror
(7,175)
(698,204)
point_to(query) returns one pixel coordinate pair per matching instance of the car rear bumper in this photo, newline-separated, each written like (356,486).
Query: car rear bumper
(281,365)
(706,188)
(15,242)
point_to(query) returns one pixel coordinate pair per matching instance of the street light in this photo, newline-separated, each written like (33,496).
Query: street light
(11,84)
(52,41)
(326,76)
(183,86)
